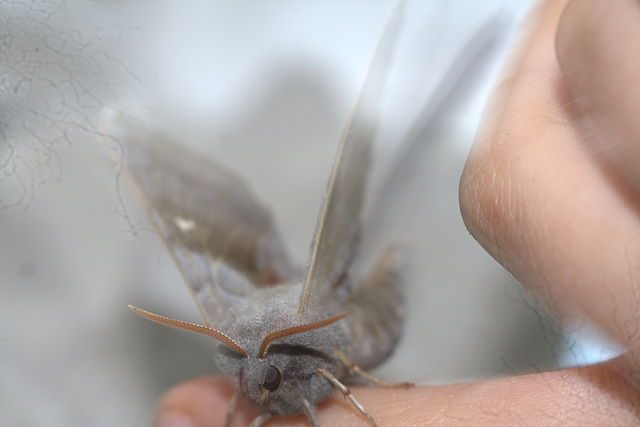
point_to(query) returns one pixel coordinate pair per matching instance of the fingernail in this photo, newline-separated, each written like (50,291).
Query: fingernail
(174,419)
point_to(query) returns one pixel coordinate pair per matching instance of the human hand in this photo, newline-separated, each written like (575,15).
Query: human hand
(551,190)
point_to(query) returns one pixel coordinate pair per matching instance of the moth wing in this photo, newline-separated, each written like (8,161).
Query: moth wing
(396,216)
(222,239)
(338,229)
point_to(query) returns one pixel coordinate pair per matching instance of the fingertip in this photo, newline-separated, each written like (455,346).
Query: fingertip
(522,108)
(200,402)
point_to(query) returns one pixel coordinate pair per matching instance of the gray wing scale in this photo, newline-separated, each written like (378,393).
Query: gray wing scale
(338,231)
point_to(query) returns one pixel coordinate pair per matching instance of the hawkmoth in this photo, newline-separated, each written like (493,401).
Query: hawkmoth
(286,340)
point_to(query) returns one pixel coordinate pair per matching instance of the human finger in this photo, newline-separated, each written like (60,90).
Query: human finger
(534,195)
(594,395)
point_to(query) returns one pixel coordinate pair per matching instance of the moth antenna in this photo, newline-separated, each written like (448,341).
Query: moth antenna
(187,326)
(266,342)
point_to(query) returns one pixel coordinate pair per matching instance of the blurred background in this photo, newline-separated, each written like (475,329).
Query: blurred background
(264,88)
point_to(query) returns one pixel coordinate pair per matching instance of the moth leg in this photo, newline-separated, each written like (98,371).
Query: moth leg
(355,369)
(261,419)
(346,393)
(310,413)
(231,409)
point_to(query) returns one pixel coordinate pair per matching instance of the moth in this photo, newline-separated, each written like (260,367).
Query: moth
(286,340)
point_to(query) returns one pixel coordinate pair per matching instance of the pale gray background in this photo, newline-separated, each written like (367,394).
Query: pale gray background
(264,87)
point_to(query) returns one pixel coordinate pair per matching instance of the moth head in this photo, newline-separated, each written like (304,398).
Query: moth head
(279,373)
(267,373)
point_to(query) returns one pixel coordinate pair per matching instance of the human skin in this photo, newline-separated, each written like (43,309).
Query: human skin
(551,191)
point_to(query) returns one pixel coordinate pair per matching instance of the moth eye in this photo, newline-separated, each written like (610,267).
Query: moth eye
(271,378)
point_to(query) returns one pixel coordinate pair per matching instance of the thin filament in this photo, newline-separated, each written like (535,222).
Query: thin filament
(205,330)
(266,342)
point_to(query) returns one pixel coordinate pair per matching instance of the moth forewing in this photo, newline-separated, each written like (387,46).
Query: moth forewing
(338,229)
(221,237)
